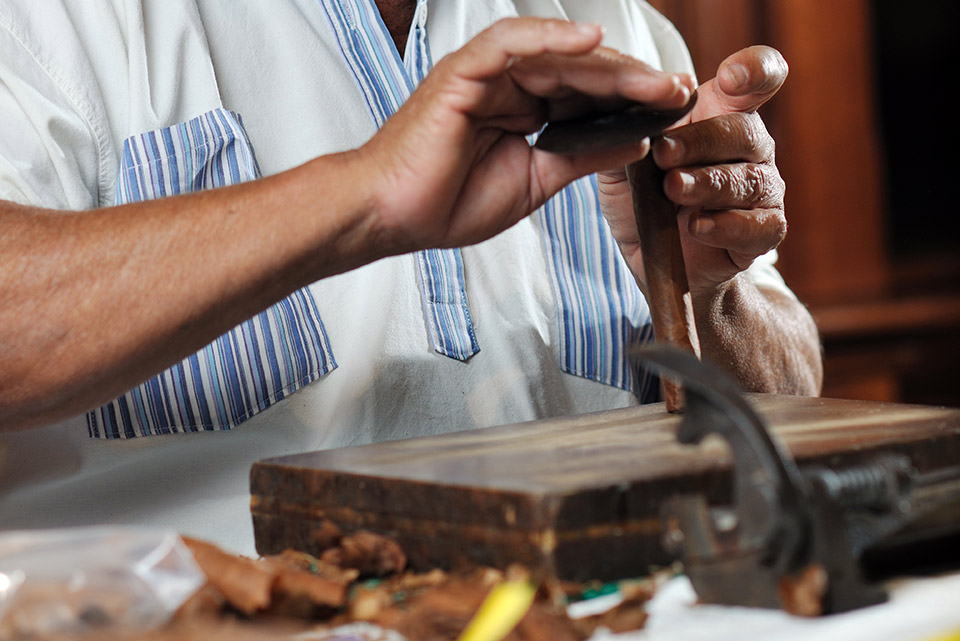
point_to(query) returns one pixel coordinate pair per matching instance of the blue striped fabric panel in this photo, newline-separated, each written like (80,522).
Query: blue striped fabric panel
(386,82)
(248,368)
(442,282)
(445,302)
(601,310)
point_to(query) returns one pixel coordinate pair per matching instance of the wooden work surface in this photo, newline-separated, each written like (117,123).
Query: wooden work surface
(574,497)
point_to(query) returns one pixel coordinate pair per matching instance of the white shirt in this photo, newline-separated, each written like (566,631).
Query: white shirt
(77,79)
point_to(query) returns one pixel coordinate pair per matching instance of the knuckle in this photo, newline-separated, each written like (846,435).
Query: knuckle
(717,180)
(775,228)
(755,185)
(499,32)
(443,65)
(754,132)
(757,142)
(543,29)
(762,230)
(778,185)
(720,181)
(781,228)
(501,26)
(548,30)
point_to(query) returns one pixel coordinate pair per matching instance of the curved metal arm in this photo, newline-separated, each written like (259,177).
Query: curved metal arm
(769,499)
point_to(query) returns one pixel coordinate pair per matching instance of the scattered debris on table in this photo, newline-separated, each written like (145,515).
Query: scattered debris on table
(363,577)
(359,589)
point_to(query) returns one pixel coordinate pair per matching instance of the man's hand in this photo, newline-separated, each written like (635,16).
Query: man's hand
(721,171)
(453,166)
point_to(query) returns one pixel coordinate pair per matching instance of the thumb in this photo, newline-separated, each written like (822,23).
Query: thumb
(745,80)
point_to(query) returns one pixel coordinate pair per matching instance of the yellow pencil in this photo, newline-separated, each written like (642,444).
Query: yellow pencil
(500,611)
(949,636)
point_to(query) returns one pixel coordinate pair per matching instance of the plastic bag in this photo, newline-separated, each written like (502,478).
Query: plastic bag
(88,580)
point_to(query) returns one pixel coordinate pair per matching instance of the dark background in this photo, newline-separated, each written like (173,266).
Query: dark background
(867,141)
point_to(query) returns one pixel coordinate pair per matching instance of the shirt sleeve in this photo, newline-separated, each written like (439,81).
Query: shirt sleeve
(49,151)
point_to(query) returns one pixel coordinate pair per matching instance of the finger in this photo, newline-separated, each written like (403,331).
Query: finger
(603,76)
(496,48)
(744,81)
(612,180)
(750,77)
(744,234)
(558,59)
(613,189)
(727,138)
(733,186)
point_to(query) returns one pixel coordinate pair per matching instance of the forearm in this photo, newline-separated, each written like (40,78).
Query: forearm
(92,303)
(764,337)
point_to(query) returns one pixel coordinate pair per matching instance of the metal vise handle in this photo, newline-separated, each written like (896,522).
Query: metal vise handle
(783,542)
(768,495)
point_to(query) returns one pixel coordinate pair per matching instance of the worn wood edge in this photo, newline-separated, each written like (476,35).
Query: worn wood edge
(801,424)
(362,501)
(601,552)
(474,439)
(539,518)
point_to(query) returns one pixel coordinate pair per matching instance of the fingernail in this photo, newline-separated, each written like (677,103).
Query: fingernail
(737,74)
(681,89)
(688,81)
(668,149)
(589,28)
(687,181)
(703,225)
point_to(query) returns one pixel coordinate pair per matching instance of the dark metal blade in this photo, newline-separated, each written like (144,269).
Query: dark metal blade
(597,132)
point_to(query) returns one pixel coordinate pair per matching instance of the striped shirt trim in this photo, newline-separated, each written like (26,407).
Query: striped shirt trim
(386,82)
(253,365)
(446,302)
(601,311)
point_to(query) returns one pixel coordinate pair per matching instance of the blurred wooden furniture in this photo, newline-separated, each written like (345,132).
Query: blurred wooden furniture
(874,241)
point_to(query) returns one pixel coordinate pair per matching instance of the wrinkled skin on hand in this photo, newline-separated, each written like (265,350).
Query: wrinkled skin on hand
(720,169)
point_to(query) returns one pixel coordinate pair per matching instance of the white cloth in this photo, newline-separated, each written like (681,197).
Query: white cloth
(919,609)
(76,79)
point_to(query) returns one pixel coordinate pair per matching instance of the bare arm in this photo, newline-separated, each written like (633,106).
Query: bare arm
(94,302)
(762,335)
(106,298)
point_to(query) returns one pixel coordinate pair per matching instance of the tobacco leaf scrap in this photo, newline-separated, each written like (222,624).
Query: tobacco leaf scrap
(332,590)
(286,596)
(369,553)
(275,585)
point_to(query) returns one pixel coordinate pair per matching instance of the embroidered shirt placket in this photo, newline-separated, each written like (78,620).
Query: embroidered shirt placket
(600,310)
(386,82)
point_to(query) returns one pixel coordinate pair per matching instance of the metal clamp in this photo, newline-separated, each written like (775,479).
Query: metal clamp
(789,539)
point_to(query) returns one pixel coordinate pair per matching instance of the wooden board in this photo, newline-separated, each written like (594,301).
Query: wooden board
(577,498)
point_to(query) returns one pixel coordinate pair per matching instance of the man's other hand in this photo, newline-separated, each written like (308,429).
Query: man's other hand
(720,169)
